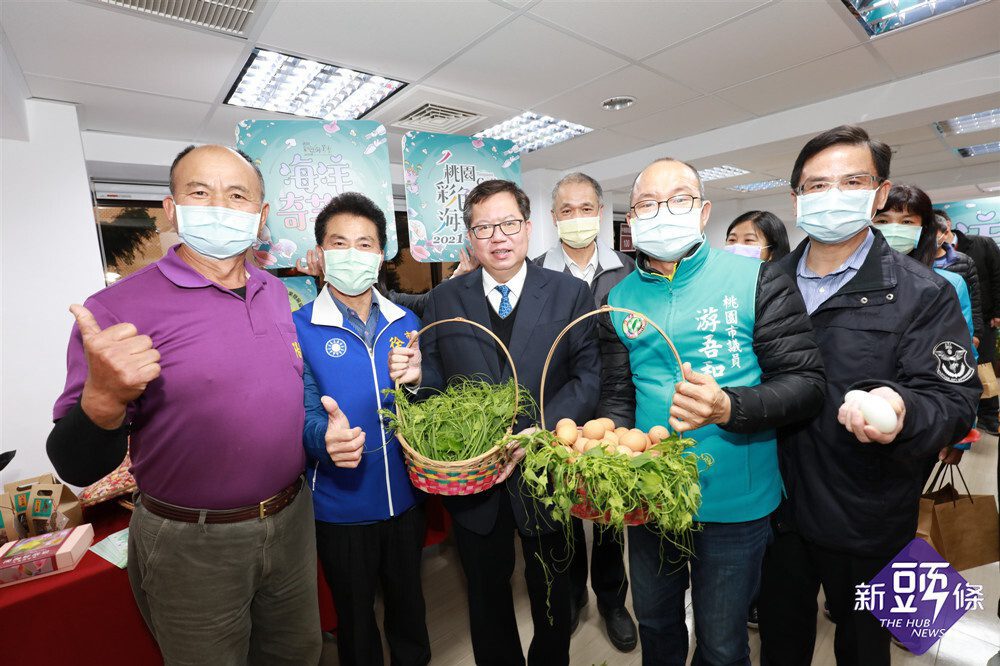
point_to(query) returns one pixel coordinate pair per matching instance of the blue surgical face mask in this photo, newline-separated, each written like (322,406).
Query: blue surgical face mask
(667,237)
(350,270)
(215,231)
(744,250)
(900,237)
(834,216)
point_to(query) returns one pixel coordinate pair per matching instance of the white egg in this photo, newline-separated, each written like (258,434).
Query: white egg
(875,409)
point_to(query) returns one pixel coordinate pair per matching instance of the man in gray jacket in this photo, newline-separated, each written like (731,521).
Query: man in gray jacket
(577,204)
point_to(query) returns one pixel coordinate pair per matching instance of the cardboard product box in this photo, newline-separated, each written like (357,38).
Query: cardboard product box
(52,507)
(44,555)
(10,527)
(20,493)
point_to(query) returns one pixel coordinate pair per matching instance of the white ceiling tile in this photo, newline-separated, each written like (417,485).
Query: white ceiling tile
(918,149)
(583,105)
(221,127)
(919,164)
(415,96)
(693,117)
(403,40)
(771,39)
(973,138)
(834,75)
(920,133)
(124,111)
(949,39)
(596,145)
(70,40)
(522,63)
(638,29)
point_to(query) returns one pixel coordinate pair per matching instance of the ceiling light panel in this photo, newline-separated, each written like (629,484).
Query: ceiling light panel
(760,185)
(531,132)
(273,81)
(980,149)
(878,17)
(719,172)
(974,122)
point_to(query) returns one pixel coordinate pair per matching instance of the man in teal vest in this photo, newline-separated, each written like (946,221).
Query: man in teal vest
(751,365)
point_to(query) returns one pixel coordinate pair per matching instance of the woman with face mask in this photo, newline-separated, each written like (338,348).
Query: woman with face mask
(759,234)
(908,224)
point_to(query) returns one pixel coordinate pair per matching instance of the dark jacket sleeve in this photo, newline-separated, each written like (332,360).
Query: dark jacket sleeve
(414,302)
(577,398)
(432,376)
(617,390)
(792,379)
(992,263)
(971,278)
(938,412)
(81,451)
(317,420)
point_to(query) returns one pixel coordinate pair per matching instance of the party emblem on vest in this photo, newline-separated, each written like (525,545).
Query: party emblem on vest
(952,363)
(633,325)
(336,347)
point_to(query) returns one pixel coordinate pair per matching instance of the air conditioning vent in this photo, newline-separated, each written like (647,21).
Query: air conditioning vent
(229,16)
(437,118)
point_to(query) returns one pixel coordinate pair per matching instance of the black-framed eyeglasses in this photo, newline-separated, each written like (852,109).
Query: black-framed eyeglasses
(676,205)
(486,231)
(857,181)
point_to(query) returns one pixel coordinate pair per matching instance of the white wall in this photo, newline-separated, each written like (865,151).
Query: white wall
(49,258)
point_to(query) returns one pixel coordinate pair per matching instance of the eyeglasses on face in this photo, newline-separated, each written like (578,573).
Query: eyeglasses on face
(676,205)
(486,231)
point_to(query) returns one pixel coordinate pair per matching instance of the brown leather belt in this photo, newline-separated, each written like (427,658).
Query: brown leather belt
(262,510)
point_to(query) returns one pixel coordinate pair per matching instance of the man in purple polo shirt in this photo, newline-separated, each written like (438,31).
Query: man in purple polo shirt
(195,358)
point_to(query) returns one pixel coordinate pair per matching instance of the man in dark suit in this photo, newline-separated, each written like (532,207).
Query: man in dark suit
(526,307)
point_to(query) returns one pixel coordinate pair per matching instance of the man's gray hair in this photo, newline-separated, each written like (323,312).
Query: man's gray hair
(578,177)
(697,176)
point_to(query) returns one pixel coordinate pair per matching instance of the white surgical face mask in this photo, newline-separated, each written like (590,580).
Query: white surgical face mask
(216,231)
(834,216)
(350,270)
(667,237)
(579,232)
(901,237)
(744,250)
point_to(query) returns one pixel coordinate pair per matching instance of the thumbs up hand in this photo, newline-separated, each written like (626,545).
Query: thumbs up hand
(344,443)
(120,364)
(698,401)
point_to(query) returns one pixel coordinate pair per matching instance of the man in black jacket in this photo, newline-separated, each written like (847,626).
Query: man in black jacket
(577,206)
(526,307)
(884,323)
(985,254)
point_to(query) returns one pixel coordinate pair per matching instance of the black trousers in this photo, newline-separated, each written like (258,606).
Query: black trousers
(607,565)
(356,559)
(794,568)
(488,562)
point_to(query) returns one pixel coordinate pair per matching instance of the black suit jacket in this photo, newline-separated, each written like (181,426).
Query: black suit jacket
(549,301)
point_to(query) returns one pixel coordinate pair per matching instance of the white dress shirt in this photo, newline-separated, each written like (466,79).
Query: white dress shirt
(586,273)
(516,285)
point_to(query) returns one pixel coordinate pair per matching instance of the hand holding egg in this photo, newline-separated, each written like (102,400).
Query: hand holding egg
(874,416)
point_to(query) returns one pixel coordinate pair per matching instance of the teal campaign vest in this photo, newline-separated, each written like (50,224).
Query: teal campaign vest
(707,310)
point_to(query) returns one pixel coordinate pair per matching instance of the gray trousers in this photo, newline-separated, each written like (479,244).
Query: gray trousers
(229,594)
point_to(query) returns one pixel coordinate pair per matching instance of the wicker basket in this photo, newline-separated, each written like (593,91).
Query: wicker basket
(583,508)
(459,477)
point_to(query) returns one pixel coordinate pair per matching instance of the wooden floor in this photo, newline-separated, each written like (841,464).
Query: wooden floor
(973,641)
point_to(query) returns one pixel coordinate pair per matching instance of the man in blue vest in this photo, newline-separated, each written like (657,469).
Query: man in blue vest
(751,365)
(369,518)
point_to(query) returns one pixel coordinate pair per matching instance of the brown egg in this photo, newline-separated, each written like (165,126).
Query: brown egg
(621,431)
(624,450)
(658,433)
(635,440)
(579,444)
(608,423)
(591,444)
(566,431)
(610,436)
(594,430)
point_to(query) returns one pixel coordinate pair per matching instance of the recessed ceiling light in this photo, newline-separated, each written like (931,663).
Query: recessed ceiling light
(760,185)
(719,172)
(878,17)
(530,131)
(974,122)
(274,81)
(981,149)
(618,103)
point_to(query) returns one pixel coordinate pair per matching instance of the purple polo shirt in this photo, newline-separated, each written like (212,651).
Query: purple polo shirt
(221,427)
